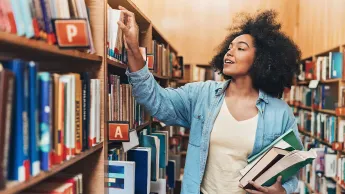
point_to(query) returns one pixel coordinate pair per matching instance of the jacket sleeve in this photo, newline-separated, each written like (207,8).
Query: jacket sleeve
(171,106)
(291,184)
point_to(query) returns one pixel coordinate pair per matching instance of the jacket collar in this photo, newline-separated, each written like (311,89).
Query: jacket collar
(222,87)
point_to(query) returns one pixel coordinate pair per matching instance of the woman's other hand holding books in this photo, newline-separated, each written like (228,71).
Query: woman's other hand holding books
(276,188)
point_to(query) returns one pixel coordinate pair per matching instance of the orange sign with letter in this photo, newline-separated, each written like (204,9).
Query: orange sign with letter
(118,131)
(72,33)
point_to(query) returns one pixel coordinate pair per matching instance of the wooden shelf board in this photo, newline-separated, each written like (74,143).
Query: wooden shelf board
(160,77)
(317,138)
(331,112)
(325,111)
(156,35)
(204,65)
(326,53)
(38,50)
(15,187)
(140,17)
(305,107)
(141,127)
(183,81)
(307,58)
(173,49)
(329,81)
(116,63)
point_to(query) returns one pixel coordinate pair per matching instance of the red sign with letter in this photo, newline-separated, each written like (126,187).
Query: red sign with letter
(72,33)
(118,131)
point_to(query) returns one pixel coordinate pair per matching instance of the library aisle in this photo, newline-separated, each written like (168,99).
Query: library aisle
(70,121)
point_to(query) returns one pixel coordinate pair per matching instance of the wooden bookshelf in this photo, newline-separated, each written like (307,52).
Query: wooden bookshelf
(99,64)
(15,187)
(21,47)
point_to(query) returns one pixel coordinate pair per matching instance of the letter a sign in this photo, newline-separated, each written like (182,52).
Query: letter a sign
(118,131)
(72,33)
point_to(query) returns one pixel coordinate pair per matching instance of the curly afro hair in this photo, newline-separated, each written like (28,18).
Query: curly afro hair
(277,57)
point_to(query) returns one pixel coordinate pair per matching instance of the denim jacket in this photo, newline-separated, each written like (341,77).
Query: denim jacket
(196,106)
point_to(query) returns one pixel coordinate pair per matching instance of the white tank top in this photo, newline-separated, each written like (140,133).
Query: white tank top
(231,142)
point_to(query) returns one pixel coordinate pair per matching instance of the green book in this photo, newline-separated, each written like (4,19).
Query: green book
(289,172)
(286,166)
(289,137)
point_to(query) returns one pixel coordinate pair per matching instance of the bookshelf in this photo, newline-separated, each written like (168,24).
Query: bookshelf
(24,48)
(51,58)
(337,84)
(14,187)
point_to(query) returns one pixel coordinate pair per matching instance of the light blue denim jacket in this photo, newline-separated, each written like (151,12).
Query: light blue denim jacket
(196,106)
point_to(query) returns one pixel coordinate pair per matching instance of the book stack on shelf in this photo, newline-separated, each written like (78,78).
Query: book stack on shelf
(317,100)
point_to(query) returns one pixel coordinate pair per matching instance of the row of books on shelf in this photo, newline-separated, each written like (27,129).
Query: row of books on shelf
(33,19)
(325,171)
(61,183)
(46,118)
(206,73)
(178,141)
(161,60)
(321,125)
(324,68)
(148,167)
(323,97)
(122,105)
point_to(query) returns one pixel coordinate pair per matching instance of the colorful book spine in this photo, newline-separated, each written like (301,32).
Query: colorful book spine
(18,17)
(48,27)
(44,119)
(18,163)
(33,120)
(86,109)
(27,18)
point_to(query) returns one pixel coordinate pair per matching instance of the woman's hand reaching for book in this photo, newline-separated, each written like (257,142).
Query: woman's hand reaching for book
(131,33)
(276,188)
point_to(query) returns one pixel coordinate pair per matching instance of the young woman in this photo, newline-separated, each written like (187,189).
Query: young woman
(228,121)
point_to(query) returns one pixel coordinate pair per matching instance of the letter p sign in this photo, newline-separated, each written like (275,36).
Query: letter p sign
(72,33)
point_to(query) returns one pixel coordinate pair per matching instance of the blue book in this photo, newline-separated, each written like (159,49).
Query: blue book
(120,177)
(153,143)
(19,164)
(162,149)
(336,62)
(171,169)
(142,158)
(44,118)
(33,120)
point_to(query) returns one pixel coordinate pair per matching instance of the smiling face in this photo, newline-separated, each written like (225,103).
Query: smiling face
(240,56)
